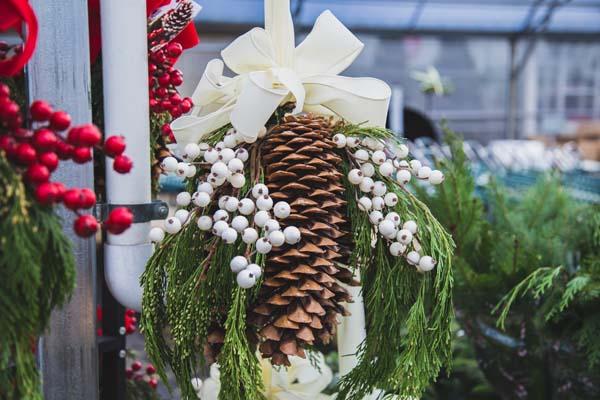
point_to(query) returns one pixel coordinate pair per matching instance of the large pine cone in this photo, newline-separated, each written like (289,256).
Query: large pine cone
(300,297)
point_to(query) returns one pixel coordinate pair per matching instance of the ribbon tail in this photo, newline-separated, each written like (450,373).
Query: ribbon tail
(256,103)
(356,100)
(192,129)
(280,27)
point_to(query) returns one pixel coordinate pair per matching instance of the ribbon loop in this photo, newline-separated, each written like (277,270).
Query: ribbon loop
(271,71)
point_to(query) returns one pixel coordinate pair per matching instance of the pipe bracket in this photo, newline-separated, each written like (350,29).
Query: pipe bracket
(145,212)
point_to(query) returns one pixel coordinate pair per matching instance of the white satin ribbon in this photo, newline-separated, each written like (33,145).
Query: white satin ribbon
(271,71)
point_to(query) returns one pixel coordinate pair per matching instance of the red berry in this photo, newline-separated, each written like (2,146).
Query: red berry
(87,198)
(44,139)
(128,373)
(8,144)
(176,80)
(175,99)
(153,383)
(46,193)
(4,91)
(25,154)
(154,105)
(138,377)
(64,150)
(122,164)
(81,155)
(72,199)
(89,135)
(175,112)
(161,92)
(60,121)
(73,137)
(40,110)
(166,130)
(85,225)
(152,68)
(60,190)
(174,49)
(10,111)
(119,220)
(185,106)
(22,134)
(189,100)
(130,312)
(49,159)
(158,57)
(114,146)
(165,105)
(164,80)
(136,366)
(150,369)
(37,173)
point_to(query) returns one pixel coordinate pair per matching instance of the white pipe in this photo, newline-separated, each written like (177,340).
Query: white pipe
(126,112)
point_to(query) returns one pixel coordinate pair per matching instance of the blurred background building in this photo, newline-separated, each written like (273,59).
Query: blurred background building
(516,68)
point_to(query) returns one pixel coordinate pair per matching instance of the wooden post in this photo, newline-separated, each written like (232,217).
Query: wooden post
(59,72)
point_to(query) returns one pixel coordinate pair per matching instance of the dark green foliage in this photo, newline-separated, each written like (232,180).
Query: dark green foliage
(38,274)
(537,252)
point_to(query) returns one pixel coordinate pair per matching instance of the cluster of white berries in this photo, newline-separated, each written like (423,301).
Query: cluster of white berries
(235,218)
(374,157)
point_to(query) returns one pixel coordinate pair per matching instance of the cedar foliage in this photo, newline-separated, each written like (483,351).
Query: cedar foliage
(38,274)
(532,258)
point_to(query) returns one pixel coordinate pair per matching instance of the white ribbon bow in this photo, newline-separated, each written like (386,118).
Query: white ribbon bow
(271,71)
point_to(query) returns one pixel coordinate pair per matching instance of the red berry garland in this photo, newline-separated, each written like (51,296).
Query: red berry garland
(36,155)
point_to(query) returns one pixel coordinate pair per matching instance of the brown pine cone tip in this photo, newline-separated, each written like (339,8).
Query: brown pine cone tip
(301,297)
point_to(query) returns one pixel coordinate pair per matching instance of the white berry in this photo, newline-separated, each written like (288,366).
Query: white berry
(216,181)
(205,223)
(191,151)
(231,204)
(379,188)
(282,210)
(246,206)
(235,165)
(239,223)
(222,202)
(378,203)
(205,187)
(261,218)
(436,177)
(387,228)
(403,176)
(352,141)
(255,270)
(367,169)
(277,238)
(365,203)
(211,155)
(249,235)
(423,173)
(394,217)
(219,169)
(219,227)
(230,140)
(242,154)
(201,199)
(410,226)
(361,155)
(367,185)
(220,146)
(172,225)
(245,279)
(404,236)
(292,235)
(264,203)
(259,190)
(169,164)
(415,165)
(375,217)
(355,176)
(263,246)
(182,215)
(226,155)
(271,225)
(386,169)
(156,235)
(426,263)
(182,169)
(391,199)
(237,180)
(413,257)
(396,249)
(183,199)
(401,151)
(191,171)
(378,157)
(229,235)
(238,263)
(203,147)
(221,215)
(339,140)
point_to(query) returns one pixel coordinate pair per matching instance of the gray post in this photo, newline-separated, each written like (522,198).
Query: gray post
(60,73)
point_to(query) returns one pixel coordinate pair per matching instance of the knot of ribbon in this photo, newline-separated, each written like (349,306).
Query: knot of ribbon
(272,71)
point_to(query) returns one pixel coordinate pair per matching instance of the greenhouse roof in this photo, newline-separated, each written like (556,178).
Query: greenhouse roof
(499,17)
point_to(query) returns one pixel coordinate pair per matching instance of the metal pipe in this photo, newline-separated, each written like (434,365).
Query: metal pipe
(59,72)
(126,112)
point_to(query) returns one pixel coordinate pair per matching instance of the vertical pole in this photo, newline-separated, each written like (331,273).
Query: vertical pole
(512,101)
(60,73)
(396,123)
(530,97)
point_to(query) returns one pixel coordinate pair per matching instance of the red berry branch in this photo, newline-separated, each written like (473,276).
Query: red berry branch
(37,152)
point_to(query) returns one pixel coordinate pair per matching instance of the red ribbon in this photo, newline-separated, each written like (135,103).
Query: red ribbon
(187,38)
(13,13)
